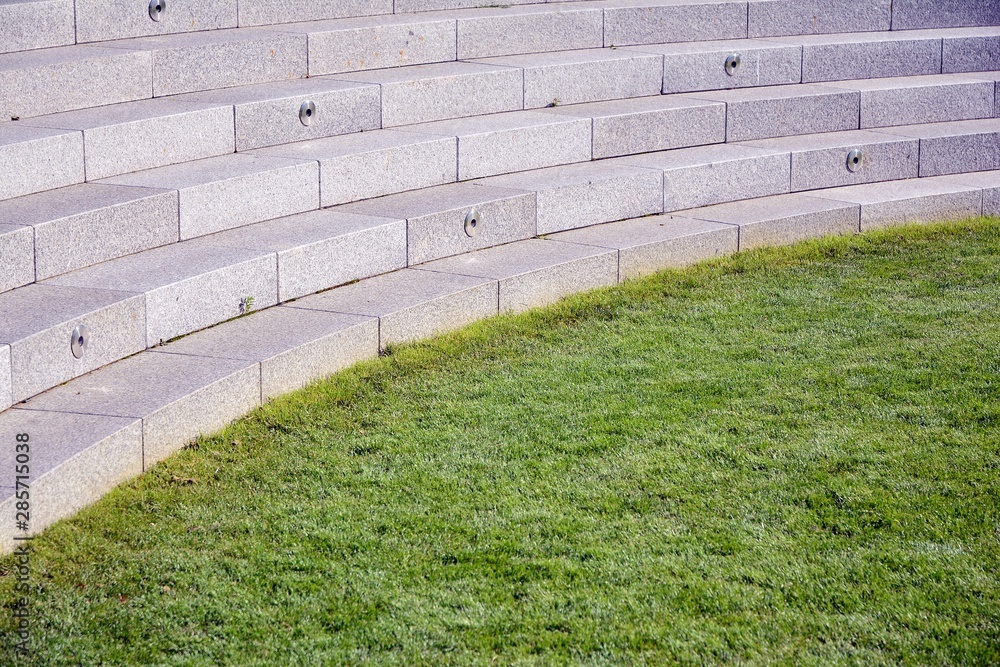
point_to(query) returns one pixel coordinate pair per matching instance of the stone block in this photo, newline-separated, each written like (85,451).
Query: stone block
(411,304)
(986,181)
(321,249)
(38,320)
(781,111)
(17,253)
(6,396)
(696,66)
(971,50)
(177,397)
(73,459)
(186,286)
(377,163)
(220,59)
(956,147)
(647,124)
(139,135)
(352,45)
(36,24)
(587,194)
(651,244)
(531,29)
(269,114)
(104,20)
(424,93)
(269,12)
(436,218)
(89,223)
(707,175)
(632,22)
(536,272)
(515,141)
(233,190)
(909,201)
(821,160)
(570,77)
(35,159)
(293,346)
(994,78)
(767,18)
(866,55)
(35,83)
(784,219)
(914,14)
(923,99)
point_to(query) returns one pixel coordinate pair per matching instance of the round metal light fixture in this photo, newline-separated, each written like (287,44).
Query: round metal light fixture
(472,220)
(79,342)
(306,112)
(156,9)
(733,63)
(855,160)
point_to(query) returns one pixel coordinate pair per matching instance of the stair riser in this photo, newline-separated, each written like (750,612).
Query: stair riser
(44,359)
(17,256)
(660,24)
(36,25)
(761,64)
(104,20)
(47,82)
(37,159)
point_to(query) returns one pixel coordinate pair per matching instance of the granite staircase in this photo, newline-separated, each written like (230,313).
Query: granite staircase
(204,205)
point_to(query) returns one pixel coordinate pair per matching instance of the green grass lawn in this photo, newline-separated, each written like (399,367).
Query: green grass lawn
(785,457)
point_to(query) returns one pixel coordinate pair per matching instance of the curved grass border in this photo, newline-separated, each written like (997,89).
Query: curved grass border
(759,523)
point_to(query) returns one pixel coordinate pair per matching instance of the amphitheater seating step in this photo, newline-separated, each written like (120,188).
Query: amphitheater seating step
(322,249)
(440,221)
(133,136)
(783,219)
(377,163)
(270,114)
(80,225)
(587,194)
(650,244)
(647,124)
(826,161)
(514,141)
(37,321)
(705,175)
(535,272)
(176,396)
(293,346)
(423,93)
(410,304)
(914,200)
(233,190)
(184,287)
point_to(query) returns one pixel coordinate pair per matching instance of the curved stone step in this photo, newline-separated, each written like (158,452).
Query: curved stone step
(592,75)
(233,190)
(270,114)
(219,58)
(134,136)
(80,225)
(100,429)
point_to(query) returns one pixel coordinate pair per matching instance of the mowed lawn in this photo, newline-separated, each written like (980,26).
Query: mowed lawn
(785,457)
